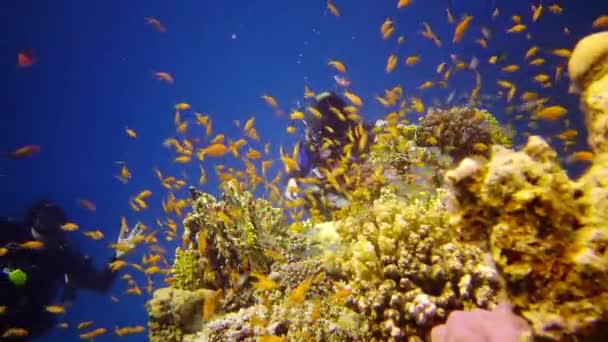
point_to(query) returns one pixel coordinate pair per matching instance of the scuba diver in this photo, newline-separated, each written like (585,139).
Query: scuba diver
(314,151)
(36,261)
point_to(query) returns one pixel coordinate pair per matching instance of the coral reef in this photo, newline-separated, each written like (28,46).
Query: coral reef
(229,236)
(173,313)
(461,131)
(405,271)
(404,257)
(548,235)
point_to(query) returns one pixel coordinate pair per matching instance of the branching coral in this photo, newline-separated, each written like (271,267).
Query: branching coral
(461,131)
(406,271)
(230,233)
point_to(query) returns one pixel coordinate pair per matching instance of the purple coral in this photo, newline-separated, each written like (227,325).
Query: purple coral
(498,325)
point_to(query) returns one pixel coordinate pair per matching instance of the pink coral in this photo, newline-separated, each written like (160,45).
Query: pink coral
(498,325)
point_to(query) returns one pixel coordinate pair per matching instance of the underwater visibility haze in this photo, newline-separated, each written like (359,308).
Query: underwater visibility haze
(398,170)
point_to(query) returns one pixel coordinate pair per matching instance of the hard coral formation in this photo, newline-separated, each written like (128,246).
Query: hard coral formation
(547,234)
(230,234)
(406,271)
(173,313)
(461,131)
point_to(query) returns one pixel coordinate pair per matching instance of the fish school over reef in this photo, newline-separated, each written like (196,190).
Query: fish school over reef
(407,218)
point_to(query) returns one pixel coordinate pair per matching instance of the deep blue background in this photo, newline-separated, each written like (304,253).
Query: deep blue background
(93,77)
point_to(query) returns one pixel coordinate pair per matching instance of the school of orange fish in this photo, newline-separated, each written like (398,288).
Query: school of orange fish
(196,142)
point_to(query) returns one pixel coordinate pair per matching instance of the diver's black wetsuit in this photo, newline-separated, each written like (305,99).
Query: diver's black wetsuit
(54,266)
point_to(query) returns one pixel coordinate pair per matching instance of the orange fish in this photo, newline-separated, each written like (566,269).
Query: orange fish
(25,60)
(403,3)
(391,63)
(94,234)
(131,133)
(332,8)
(25,151)
(34,244)
(386,29)
(585,156)
(270,101)
(55,309)
(164,76)
(92,334)
(15,332)
(339,66)
(601,21)
(86,204)
(156,24)
(461,28)
(69,227)
(213,150)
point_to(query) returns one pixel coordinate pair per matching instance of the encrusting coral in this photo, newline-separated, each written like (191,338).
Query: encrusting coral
(547,234)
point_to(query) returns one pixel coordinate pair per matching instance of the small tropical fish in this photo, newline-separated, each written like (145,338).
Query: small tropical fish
(164,76)
(426,85)
(213,150)
(461,28)
(86,204)
(339,66)
(541,78)
(537,11)
(428,34)
(55,309)
(332,8)
(510,68)
(555,9)
(386,29)
(537,61)
(270,101)
(600,22)
(25,151)
(25,60)
(92,334)
(342,81)
(34,244)
(131,133)
(531,52)
(551,113)
(297,295)
(585,156)
(94,234)
(263,283)
(128,330)
(391,63)
(69,227)
(15,332)
(403,3)
(450,16)
(354,99)
(155,23)
(182,106)
(412,60)
(517,28)
(562,53)
(308,94)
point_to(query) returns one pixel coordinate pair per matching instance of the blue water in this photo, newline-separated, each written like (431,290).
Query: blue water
(93,77)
